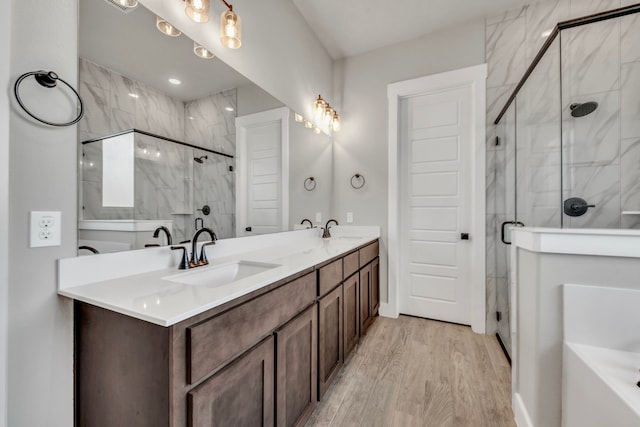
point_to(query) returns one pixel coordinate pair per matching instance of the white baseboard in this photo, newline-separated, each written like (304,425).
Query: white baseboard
(520,412)
(386,310)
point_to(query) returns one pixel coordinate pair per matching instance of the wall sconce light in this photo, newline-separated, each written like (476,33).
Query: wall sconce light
(319,106)
(230,28)
(166,28)
(335,123)
(202,51)
(197,10)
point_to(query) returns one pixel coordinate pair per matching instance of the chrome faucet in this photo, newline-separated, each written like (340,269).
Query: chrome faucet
(307,220)
(325,233)
(195,261)
(157,231)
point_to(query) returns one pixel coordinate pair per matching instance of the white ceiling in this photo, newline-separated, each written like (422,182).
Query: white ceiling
(351,27)
(131,45)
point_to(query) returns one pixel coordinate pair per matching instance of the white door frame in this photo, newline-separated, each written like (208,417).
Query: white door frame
(242,124)
(475,77)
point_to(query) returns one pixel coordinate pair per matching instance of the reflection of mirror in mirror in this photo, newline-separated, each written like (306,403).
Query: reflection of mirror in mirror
(124,80)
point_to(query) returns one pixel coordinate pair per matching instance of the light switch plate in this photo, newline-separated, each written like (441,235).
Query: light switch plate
(45,228)
(349,217)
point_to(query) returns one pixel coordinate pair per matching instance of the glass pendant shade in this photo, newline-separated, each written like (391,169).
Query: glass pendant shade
(197,10)
(335,123)
(318,107)
(230,30)
(327,117)
(202,51)
(166,28)
(126,3)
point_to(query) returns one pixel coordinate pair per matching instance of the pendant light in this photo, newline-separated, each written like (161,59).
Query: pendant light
(166,28)
(202,51)
(197,10)
(230,28)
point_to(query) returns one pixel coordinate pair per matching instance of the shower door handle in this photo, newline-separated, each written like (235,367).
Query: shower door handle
(503,229)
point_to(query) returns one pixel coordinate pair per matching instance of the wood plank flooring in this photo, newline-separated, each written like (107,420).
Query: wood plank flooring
(418,372)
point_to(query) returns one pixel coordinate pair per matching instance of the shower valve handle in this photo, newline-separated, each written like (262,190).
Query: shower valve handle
(576,206)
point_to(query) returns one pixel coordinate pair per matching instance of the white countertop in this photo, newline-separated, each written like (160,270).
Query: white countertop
(133,283)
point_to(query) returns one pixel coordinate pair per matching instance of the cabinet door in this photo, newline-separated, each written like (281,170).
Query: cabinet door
(330,345)
(375,287)
(365,299)
(351,296)
(296,367)
(241,394)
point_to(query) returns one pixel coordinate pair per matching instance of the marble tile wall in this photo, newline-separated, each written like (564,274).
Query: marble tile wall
(169,184)
(601,152)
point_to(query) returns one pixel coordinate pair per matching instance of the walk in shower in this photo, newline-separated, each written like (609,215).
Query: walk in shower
(570,137)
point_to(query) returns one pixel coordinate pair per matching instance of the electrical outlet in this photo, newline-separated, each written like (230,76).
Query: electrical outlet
(45,229)
(349,217)
(318,216)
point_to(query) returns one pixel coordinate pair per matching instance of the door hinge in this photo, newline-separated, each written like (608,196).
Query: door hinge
(498,316)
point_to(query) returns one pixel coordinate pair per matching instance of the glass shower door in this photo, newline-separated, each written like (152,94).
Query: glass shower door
(532,169)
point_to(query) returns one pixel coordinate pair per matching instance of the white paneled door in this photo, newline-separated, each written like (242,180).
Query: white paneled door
(436,153)
(262,179)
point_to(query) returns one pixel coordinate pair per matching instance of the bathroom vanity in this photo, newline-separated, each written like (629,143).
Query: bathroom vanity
(259,350)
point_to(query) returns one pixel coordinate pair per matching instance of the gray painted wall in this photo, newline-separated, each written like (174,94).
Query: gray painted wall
(362,145)
(42,177)
(5,33)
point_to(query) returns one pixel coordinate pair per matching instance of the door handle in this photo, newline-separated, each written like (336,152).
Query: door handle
(247,229)
(503,228)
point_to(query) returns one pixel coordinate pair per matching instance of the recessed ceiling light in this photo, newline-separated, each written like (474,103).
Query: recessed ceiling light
(134,95)
(229,109)
(174,81)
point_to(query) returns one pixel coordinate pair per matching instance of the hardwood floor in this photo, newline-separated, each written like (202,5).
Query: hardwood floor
(418,372)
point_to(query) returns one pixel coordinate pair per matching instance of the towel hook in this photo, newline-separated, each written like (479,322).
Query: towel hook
(49,80)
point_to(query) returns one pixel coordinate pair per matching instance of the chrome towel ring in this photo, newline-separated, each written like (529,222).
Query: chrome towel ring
(49,80)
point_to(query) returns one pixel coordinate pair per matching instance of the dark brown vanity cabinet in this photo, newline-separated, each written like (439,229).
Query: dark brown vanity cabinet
(330,357)
(242,394)
(262,359)
(369,285)
(296,368)
(351,299)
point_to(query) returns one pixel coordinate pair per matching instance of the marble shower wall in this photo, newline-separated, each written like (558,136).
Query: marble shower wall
(601,154)
(168,183)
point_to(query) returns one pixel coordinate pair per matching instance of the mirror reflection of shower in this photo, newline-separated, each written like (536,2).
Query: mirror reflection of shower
(200,159)
(583,109)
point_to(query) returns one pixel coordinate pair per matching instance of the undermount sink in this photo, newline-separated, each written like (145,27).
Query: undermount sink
(220,275)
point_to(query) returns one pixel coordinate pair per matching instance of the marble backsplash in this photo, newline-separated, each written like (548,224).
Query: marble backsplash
(596,157)
(168,183)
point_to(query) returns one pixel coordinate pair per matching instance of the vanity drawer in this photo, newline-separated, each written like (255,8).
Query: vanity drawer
(213,342)
(329,276)
(351,264)
(369,253)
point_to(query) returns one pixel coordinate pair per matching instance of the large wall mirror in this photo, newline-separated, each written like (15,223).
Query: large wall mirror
(158,143)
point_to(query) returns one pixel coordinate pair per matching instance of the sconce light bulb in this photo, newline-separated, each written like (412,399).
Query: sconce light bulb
(230,29)
(197,10)
(166,28)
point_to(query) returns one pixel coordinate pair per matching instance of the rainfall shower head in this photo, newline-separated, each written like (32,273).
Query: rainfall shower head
(200,159)
(581,110)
